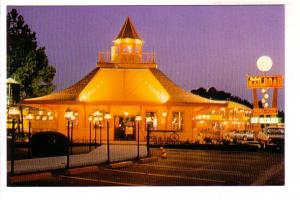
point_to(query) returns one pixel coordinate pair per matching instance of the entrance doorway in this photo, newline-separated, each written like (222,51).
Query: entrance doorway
(124,128)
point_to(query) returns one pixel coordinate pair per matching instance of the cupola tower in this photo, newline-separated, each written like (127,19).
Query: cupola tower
(127,47)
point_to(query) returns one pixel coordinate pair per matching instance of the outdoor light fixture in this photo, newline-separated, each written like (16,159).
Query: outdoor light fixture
(107,116)
(164,114)
(97,113)
(263,100)
(266,105)
(68,114)
(266,96)
(126,114)
(13,111)
(50,117)
(44,118)
(263,90)
(138,118)
(41,112)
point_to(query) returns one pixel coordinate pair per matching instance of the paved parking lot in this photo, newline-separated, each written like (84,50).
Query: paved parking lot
(184,168)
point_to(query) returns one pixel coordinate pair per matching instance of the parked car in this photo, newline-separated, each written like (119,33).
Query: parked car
(211,137)
(244,135)
(237,135)
(271,137)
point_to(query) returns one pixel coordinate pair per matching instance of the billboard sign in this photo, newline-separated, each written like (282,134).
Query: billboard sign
(275,81)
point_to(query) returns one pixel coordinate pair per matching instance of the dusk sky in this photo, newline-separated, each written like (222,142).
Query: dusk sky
(196,46)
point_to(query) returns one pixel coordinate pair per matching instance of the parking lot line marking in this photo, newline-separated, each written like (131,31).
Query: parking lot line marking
(199,169)
(208,156)
(214,162)
(167,176)
(100,181)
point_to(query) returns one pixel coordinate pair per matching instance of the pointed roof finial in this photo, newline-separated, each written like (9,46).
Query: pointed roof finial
(128,30)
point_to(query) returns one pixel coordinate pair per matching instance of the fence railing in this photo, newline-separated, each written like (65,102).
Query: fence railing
(129,58)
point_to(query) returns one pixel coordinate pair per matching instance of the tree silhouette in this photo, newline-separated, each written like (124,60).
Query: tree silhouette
(26,62)
(213,93)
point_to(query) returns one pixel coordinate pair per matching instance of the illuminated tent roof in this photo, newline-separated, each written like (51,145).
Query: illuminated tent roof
(177,94)
(68,94)
(115,85)
(128,30)
(232,104)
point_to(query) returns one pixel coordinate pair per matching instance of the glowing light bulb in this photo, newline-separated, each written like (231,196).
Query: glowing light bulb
(266,96)
(266,105)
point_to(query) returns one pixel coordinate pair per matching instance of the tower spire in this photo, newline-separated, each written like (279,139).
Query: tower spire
(128,30)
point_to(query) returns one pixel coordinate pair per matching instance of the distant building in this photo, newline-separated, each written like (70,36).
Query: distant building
(127,82)
(12,92)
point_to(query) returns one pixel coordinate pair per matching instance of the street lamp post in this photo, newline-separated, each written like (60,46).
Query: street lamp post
(107,116)
(90,120)
(100,126)
(96,119)
(148,121)
(13,112)
(72,124)
(138,118)
(68,117)
(29,117)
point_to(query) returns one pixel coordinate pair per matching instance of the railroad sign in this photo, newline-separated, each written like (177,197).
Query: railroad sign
(265,81)
(264,111)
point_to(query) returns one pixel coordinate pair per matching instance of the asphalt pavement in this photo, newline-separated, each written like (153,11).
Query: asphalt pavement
(182,167)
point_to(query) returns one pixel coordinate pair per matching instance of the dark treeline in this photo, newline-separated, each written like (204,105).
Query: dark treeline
(213,93)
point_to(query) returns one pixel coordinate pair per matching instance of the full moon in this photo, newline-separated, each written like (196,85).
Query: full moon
(264,63)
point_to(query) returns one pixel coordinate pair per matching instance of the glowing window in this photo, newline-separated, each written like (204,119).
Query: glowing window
(151,119)
(177,121)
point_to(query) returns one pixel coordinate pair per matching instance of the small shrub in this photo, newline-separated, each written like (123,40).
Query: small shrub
(48,143)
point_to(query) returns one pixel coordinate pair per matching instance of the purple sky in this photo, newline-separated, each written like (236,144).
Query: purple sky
(196,46)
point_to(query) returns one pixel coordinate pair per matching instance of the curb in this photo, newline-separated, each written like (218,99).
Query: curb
(29,177)
(148,160)
(120,164)
(81,170)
